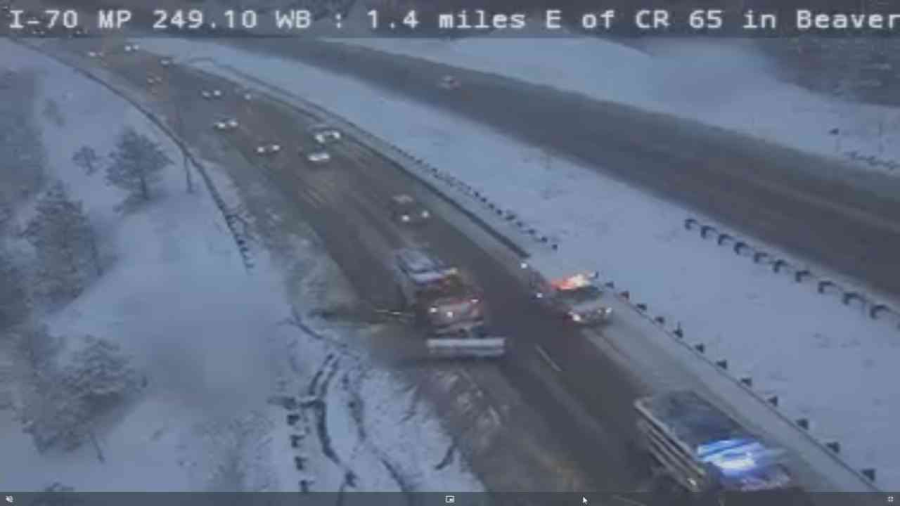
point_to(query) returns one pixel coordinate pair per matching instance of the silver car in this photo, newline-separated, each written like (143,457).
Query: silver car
(318,157)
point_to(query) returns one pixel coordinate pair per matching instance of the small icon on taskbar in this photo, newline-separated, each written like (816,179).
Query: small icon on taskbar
(450,499)
(890,499)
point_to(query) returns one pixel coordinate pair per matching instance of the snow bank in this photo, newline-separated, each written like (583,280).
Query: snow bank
(724,83)
(788,338)
(210,337)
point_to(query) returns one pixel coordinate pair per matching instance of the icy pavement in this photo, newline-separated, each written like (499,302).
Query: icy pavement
(724,83)
(213,342)
(788,338)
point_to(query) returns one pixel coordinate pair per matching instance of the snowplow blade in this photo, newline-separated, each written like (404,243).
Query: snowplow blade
(490,347)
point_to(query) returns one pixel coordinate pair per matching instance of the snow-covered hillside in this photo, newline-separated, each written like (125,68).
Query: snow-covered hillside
(211,340)
(788,338)
(725,83)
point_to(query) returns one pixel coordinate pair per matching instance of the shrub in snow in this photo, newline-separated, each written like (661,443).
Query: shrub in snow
(56,494)
(53,113)
(86,158)
(137,164)
(65,244)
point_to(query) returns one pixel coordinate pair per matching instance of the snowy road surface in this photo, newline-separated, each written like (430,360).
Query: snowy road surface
(212,341)
(734,307)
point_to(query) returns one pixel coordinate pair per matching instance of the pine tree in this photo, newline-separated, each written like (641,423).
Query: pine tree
(6,215)
(65,243)
(137,164)
(87,159)
(38,349)
(14,301)
(100,374)
(51,414)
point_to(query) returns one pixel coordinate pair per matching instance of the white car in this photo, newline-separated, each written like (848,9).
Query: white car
(165,62)
(225,125)
(449,83)
(206,94)
(130,48)
(318,157)
(327,136)
(217,93)
(268,149)
(95,54)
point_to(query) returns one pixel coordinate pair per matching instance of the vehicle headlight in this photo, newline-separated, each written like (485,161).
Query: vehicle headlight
(425,214)
(449,314)
(575,317)
(607,311)
(405,218)
(432,310)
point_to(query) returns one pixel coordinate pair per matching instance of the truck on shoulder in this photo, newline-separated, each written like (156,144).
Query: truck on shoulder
(576,297)
(706,451)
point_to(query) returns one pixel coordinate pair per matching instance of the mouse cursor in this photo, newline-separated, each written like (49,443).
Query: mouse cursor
(583,500)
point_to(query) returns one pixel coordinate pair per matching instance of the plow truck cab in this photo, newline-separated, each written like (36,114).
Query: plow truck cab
(704,450)
(448,307)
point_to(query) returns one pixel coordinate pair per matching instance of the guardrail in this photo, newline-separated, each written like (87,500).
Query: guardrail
(876,310)
(873,161)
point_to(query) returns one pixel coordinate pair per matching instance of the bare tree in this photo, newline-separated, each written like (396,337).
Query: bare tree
(137,164)
(66,245)
(86,158)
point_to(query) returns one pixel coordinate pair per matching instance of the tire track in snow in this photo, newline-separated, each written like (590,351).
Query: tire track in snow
(313,385)
(448,456)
